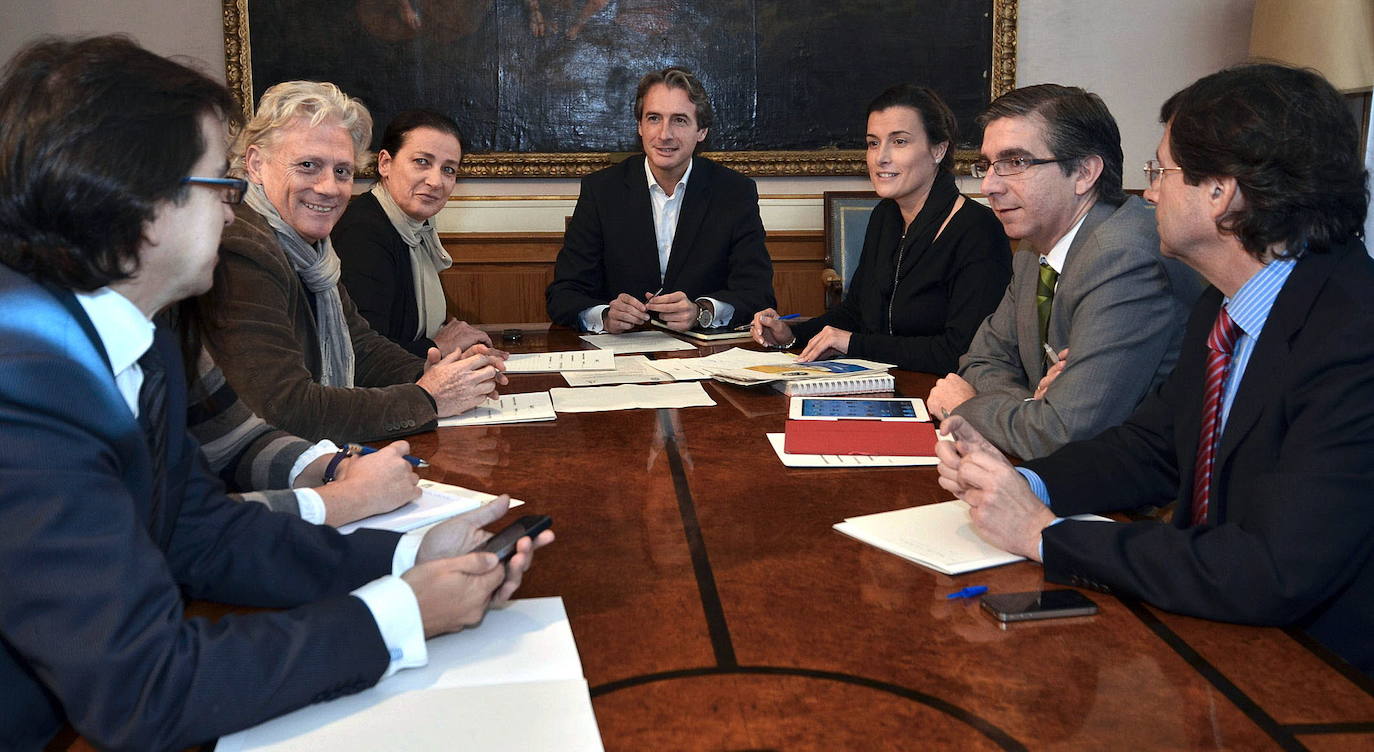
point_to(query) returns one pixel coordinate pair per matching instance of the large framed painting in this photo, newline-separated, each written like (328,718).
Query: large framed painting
(546,87)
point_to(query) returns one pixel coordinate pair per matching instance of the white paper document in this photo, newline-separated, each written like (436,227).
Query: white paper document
(937,536)
(629,369)
(630,397)
(515,682)
(567,360)
(509,408)
(843,460)
(637,342)
(437,502)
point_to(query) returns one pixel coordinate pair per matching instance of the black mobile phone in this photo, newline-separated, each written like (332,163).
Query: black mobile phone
(503,543)
(1038,604)
(512,335)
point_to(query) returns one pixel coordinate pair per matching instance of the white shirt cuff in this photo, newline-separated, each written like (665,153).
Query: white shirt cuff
(406,550)
(310,455)
(397,614)
(591,319)
(724,311)
(311,505)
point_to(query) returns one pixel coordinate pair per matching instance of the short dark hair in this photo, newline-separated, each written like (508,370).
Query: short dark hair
(936,118)
(400,126)
(676,78)
(1291,144)
(1077,125)
(97,132)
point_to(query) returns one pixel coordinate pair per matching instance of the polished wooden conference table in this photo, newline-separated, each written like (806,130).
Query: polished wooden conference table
(715,608)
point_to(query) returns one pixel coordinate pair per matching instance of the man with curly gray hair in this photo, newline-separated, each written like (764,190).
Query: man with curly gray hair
(285,332)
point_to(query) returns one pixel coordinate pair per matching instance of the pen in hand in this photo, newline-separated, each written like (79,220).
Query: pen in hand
(360,449)
(745,327)
(1054,357)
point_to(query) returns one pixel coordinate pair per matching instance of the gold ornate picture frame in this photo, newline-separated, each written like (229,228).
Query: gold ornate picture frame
(1001,75)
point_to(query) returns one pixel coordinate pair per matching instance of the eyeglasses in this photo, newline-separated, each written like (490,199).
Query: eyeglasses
(232,188)
(1007,167)
(1154,170)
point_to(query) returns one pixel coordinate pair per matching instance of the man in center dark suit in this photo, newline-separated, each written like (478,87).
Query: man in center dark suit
(1264,433)
(666,235)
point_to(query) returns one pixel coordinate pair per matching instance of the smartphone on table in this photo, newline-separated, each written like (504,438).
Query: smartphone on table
(1038,604)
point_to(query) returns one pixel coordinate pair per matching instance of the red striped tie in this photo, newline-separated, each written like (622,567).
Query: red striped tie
(1219,345)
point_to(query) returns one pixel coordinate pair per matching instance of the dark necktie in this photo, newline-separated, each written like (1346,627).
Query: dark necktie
(1044,299)
(1219,347)
(152,418)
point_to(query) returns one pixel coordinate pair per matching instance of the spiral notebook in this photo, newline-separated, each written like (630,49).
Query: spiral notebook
(859,384)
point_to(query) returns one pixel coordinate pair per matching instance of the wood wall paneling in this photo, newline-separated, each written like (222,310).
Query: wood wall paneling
(500,277)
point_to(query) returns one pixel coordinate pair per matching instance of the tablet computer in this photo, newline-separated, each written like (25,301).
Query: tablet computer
(858,408)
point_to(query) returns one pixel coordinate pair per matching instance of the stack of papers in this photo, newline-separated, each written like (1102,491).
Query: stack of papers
(629,397)
(706,366)
(763,373)
(509,408)
(513,683)
(936,536)
(568,360)
(637,342)
(437,502)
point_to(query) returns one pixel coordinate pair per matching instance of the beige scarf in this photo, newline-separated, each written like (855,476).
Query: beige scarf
(318,267)
(427,259)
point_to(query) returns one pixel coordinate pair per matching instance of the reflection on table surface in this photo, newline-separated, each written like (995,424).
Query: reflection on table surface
(715,608)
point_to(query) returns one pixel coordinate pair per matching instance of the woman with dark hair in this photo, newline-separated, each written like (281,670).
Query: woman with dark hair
(387,242)
(934,264)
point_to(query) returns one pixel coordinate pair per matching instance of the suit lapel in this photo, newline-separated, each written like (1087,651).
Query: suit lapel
(1027,324)
(689,220)
(639,219)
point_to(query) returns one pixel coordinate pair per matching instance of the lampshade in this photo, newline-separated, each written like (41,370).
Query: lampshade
(1336,37)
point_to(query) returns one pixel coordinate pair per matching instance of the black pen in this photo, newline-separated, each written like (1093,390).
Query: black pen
(360,449)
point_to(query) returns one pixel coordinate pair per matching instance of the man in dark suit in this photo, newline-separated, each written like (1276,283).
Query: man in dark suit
(1264,433)
(666,235)
(112,200)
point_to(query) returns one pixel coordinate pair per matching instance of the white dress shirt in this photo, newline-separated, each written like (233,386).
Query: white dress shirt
(126,335)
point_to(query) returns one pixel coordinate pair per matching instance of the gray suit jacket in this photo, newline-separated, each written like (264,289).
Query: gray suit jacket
(1119,307)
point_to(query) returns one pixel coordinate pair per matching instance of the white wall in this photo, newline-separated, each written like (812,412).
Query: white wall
(1135,54)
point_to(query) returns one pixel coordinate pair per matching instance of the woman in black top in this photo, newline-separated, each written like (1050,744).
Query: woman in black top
(934,263)
(387,244)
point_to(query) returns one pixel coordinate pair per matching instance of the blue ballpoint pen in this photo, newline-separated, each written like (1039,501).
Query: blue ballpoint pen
(745,327)
(968,592)
(360,449)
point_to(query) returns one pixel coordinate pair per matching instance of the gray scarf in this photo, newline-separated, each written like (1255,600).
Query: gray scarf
(427,259)
(318,267)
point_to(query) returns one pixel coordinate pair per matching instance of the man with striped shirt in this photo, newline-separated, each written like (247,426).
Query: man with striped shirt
(1264,433)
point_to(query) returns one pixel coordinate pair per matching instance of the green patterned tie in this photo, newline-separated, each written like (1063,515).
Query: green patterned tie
(1044,298)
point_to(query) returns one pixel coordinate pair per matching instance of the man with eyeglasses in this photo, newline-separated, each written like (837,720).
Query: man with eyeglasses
(1092,318)
(1264,433)
(112,202)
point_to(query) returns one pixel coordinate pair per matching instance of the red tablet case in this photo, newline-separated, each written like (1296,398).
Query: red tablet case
(901,438)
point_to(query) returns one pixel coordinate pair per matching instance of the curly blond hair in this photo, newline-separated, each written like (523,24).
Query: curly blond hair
(314,102)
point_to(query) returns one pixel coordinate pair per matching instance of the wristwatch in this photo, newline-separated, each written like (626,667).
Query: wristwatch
(332,469)
(705,315)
